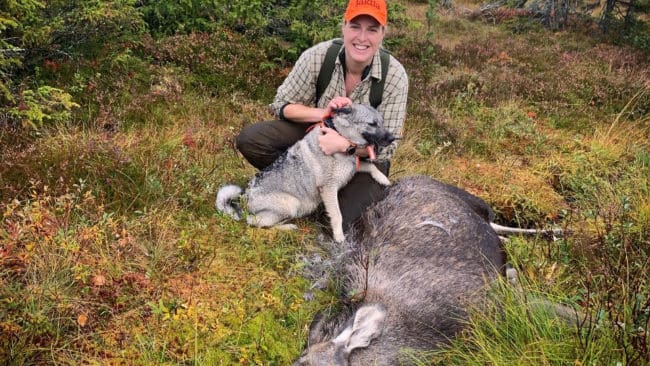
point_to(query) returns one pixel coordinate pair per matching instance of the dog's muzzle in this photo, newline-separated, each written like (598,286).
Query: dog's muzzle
(381,139)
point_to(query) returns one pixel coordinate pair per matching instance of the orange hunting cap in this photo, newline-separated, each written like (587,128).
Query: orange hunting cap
(374,8)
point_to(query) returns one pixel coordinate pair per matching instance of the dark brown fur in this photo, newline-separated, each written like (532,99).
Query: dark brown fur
(423,254)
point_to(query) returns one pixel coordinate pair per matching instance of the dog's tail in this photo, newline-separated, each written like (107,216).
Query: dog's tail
(228,200)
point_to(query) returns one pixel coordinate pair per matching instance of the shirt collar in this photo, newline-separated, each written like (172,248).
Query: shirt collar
(374,69)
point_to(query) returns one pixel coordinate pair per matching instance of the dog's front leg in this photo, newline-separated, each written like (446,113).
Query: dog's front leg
(329,195)
(375,173)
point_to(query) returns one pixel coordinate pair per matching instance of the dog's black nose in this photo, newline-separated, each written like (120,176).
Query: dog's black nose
(389,138)
(380,139)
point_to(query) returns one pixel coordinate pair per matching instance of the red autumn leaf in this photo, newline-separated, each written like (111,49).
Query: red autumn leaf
(189,141)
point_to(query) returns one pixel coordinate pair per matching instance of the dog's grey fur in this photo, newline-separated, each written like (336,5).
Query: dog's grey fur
(295,184)
(422,255)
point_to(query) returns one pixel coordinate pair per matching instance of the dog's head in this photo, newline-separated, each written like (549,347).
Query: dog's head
(362,125)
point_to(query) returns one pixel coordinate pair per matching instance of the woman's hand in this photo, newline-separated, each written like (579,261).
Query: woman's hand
(336,103)
(330,142)
(304,114)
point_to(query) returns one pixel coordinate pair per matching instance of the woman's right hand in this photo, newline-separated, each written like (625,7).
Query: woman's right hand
(304,114)
(336,103)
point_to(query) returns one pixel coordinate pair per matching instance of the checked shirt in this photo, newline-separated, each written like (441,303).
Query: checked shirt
(300,88)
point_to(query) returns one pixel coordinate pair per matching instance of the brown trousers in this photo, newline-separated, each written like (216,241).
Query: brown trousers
(263,142)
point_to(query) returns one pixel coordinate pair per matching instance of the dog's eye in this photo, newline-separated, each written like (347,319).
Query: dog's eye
(373,124)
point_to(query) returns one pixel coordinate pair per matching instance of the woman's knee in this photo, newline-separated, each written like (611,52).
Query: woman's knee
(269,135)
(245,140)
(263,142)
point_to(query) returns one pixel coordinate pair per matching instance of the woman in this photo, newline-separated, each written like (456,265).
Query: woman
(357,67)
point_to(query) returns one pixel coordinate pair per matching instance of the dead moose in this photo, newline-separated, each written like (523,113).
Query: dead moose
(418,259)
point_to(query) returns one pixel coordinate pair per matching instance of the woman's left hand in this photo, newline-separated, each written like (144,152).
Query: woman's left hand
(330,142)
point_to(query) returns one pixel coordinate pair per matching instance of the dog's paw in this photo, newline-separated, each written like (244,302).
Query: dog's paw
(385,182)
(382,179)
(339,237)
(379,177)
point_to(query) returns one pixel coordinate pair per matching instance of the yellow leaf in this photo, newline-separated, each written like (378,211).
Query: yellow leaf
(82,319)
(551,271)
(99,280)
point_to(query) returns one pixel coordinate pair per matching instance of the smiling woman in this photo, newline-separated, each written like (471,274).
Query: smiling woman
(362,36)
(357,67)
(363,30)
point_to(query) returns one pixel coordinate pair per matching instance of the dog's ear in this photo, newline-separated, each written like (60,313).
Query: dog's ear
(344,110)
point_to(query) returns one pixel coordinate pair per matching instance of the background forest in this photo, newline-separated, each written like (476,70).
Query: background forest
(117,121)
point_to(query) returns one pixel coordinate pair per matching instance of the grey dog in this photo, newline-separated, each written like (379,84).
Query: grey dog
(303,177)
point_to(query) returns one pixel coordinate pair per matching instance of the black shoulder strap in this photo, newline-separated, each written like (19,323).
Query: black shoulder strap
(326,70)
(377,88)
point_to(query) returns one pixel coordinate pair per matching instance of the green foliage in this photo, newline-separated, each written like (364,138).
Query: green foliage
(506,130)
(171,17)
(48,41)
(13,14)
(44,36)
(432,16)
(304,22)
(217,62)
(81,28)
(41,106)
(620,263)
(89,268)
(299,22)
(637,35)
(512,328)
(295,25)
(611,248)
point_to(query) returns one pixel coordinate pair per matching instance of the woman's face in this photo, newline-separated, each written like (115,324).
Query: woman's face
(362,37)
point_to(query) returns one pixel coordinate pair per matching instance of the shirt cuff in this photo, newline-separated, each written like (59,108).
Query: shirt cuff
(281,113)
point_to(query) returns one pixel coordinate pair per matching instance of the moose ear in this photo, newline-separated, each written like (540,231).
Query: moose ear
(368,325)
(325,324)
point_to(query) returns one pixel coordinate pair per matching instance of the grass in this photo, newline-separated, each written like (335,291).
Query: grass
(517,330)
(111,250)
